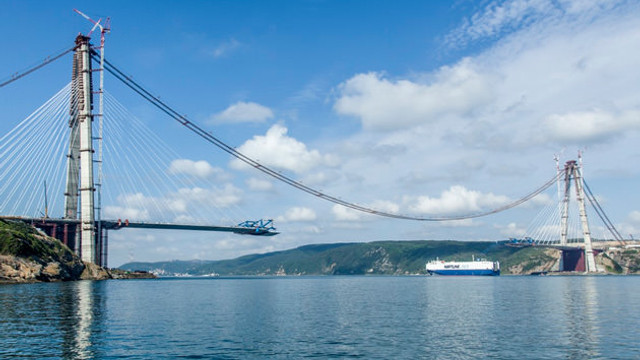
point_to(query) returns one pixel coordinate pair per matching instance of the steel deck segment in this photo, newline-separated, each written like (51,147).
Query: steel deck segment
(144,225)
(118,224)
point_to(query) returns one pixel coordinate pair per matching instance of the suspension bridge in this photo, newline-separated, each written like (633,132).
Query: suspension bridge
(59,150)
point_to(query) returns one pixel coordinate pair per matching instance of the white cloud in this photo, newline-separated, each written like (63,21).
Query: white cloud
(220,197)
(121,212)
(225,48)
(386,206)
(551,232)
(542,199)
(383,104)
(184,219)
(259,184)
(276,149)
(242,112)
(456,200)
(200,169)
(634,216)
(512,230)
(462,223)
(321,178)
(192,204)
(504,17)
(312,229)
(540,80)
(345,214)
(589,126)
(498,17)
(298,214)
(342,213)
(535,87)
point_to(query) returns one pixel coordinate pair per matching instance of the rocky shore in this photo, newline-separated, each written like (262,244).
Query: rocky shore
(26,255)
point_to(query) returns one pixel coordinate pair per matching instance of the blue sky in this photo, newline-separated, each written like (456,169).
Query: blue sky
(417,107)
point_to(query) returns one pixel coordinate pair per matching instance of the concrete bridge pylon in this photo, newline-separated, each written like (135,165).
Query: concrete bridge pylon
(80,186)
(573,171)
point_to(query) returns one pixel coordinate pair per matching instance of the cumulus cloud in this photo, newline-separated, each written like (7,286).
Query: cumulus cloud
(384,104)
(512,230)
(200,169)
(456,200)
(298,214)
(259,184)
(552,78)
(386,206)
(589,126)
(219,197)
(277,149)
(242,112)
(345,214)
(184,205)
(341,213)
(542,199)
(121,212)
(536,86)
(321,178)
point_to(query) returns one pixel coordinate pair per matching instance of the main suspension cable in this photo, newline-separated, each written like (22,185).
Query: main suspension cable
(154,100)
(47,60)
(603,216)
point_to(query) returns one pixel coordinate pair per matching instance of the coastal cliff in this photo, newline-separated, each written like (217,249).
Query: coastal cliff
(26,255)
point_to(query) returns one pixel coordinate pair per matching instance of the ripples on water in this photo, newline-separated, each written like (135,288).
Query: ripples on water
(325,317)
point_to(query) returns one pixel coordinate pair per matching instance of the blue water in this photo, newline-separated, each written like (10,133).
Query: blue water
(325,317)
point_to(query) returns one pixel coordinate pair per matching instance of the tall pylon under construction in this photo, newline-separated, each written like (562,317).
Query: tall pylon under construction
(573,171)
(80,183)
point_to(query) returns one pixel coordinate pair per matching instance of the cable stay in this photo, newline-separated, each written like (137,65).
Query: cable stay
(47,60)
(603,216)
(154,100)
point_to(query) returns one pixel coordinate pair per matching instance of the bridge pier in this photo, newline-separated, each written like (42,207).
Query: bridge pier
(576,259)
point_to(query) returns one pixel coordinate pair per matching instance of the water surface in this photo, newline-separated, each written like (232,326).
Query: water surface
(504,317)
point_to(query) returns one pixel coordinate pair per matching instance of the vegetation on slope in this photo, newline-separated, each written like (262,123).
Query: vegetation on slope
(21,240)
(26,255)
(381,257)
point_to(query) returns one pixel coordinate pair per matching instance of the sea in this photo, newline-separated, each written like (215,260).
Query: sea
(326,317)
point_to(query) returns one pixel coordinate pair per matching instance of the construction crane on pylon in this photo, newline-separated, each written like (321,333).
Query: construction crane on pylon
(103,28)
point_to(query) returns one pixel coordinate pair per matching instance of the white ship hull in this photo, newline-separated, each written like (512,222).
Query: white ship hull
(440,267)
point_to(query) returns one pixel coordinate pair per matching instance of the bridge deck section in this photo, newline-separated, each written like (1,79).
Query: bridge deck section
(119,224)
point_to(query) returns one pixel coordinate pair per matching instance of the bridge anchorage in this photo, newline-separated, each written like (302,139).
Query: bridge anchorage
(81,228)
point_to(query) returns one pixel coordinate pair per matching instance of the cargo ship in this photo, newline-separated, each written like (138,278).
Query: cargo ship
(475,267)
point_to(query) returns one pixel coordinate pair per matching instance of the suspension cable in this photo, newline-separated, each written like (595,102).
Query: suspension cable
(603,216)
(47,60)
(154,100)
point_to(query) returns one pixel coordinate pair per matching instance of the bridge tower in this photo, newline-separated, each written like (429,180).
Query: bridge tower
(573,171)
(80,183)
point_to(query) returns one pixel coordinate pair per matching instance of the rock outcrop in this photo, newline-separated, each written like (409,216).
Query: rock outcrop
(26,255)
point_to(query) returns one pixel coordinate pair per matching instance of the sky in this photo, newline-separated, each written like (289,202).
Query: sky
(424,108)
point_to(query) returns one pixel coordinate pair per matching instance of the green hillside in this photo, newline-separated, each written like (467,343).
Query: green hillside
(381,257)
(19,239)
(27,255)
